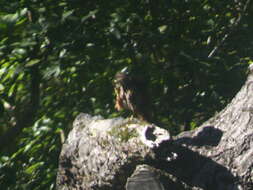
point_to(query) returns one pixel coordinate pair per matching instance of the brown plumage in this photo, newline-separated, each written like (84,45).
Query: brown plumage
(132,95)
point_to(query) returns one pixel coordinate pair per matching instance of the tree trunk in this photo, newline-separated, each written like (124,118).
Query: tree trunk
(226,141)
(129,154)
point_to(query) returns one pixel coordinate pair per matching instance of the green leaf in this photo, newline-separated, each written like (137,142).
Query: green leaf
(162,28)
(1,87)
(89,15)
(11,90)
(67,14)
(30,170)
(52,71)
(32,62)
(19,52)
(12,18)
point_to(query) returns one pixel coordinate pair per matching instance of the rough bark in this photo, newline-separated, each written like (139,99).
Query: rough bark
(101,153)
(128,154)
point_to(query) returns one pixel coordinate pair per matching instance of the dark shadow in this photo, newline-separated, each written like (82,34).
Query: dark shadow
(149,134)
(207,136)
(190,167)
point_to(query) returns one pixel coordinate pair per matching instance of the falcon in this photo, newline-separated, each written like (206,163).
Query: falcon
(131,94)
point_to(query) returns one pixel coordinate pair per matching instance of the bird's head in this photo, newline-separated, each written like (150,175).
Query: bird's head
(122,78)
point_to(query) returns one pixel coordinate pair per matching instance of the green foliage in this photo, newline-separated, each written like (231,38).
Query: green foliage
(58,59)
(33,165)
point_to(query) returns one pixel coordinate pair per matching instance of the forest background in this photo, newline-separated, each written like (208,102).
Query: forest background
(58,58)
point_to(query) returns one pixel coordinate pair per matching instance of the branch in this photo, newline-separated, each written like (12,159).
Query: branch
(29,114)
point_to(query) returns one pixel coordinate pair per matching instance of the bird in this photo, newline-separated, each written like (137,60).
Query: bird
(132,95)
